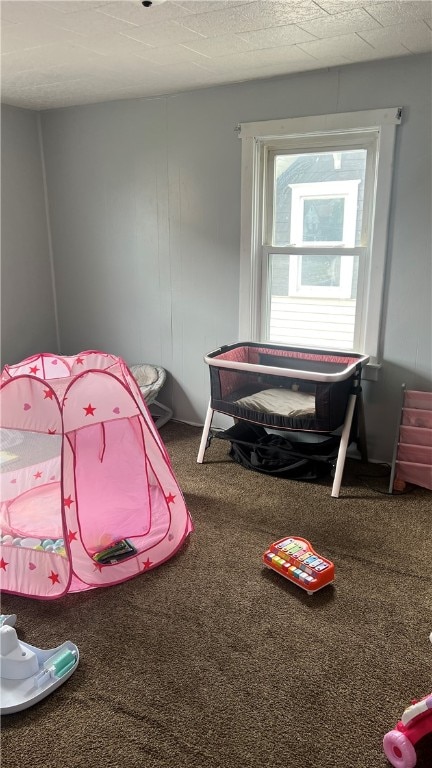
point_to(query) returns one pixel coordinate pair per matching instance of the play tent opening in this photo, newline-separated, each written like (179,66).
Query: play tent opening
(88,495)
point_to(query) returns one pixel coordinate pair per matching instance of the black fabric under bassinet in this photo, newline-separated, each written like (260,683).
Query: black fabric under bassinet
(280,454)
(286,388)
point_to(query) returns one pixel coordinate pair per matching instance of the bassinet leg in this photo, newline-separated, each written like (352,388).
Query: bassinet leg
(206,430)
(343,446)
(362,443)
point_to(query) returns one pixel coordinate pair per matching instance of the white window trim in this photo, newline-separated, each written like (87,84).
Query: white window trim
(254,136)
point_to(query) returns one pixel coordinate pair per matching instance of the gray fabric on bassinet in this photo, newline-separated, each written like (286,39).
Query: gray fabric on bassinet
(284,402)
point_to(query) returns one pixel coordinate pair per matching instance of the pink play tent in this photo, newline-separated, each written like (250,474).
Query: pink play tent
(82,467)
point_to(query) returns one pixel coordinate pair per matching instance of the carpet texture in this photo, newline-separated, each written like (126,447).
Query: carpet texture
(212,661)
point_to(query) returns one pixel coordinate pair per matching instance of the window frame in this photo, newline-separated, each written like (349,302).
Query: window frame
(313,134)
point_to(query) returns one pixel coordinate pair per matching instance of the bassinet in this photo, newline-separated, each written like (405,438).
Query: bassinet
(286,388)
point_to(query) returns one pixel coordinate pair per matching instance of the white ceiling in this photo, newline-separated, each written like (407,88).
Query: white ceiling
(62,53)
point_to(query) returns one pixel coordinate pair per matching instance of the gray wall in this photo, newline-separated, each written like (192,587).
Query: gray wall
(144,200)
(27,298)
(145,213)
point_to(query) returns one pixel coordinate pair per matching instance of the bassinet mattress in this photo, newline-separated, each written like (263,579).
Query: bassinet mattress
(284,402)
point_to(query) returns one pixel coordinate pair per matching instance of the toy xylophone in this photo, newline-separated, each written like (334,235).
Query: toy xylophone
(296,560)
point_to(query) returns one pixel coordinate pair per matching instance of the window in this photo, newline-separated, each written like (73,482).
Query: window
(315,203)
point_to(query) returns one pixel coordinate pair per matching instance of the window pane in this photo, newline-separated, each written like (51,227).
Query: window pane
(318,197)
(323,219)
(279,268)
(320,270)
(316,315)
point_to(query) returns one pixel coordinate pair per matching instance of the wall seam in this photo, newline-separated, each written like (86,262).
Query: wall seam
(49,235)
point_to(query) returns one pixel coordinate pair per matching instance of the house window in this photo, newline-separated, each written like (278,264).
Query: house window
(315,203)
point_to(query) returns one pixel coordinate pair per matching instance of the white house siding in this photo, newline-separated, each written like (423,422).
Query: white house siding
(327,323)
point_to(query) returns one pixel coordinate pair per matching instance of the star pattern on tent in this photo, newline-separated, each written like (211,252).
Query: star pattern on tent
(68,501)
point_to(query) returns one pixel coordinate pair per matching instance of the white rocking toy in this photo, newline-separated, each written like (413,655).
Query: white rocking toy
(28,674)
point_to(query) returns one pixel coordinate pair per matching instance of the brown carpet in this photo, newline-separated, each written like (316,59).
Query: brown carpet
(212,661)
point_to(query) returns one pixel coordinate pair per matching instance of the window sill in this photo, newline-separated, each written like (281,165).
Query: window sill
(371,371)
